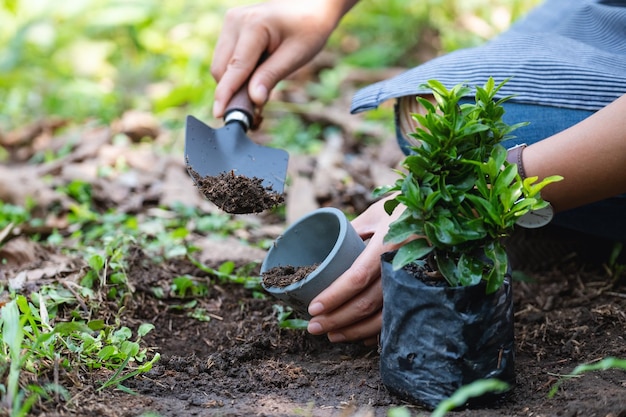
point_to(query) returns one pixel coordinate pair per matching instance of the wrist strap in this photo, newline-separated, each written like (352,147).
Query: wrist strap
(514,156)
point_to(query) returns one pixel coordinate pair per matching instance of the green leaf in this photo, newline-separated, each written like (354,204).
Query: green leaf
(294,324)
(390,205)
(604,364)
(444,232)
(70,327)
(403,228)
(463,394)
(471,129)
(96,262)
(447,267)
(107,352)
(130,349)
(412,251)
(497,254)
(484,208)
(470,270)
(398,412)
(144,329)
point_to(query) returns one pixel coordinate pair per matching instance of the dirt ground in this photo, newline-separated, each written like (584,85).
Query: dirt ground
(240,363)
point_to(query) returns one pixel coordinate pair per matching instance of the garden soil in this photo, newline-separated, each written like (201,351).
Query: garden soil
(240,363)
(236,194)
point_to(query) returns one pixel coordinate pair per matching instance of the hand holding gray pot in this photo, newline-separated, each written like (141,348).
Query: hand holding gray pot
(323,237)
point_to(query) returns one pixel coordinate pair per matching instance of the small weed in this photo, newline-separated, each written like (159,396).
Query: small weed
(192,310)
(33,344)
(292,134)
(398,412)
(466,392)
(187,286)
(283,315)
(603,365)
(226,273)
(12,214)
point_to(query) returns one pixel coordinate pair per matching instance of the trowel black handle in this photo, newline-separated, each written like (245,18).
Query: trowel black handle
(240,108)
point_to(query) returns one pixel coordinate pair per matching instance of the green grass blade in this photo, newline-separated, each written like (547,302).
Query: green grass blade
(463,394)
(603,365)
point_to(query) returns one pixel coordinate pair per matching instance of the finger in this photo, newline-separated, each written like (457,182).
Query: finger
(278,66)
(241,64)
(372,341)
(223,51)
(364,227)
(366,330)
(364,271)
(370,221)
(350,321)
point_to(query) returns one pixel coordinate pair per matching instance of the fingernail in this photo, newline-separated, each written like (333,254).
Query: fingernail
(217,108)
(260,93)
(316,309)
(336,337)
(315,328)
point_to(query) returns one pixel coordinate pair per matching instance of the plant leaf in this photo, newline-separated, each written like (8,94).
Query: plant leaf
(410,252)
(497,254)
(447,268)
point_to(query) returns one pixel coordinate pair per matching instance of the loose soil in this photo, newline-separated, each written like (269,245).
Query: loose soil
(283,276)
(241,363)
(236,194)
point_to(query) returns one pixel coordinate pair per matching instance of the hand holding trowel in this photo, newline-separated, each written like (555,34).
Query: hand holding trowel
(228,168)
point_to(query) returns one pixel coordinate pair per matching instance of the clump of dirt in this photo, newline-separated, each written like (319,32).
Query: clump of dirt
(236,194)
(285,275)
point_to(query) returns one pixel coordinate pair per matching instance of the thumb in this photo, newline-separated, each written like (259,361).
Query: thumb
(263,81)
(272,70)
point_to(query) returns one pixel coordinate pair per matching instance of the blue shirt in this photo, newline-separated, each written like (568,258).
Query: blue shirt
(564,53)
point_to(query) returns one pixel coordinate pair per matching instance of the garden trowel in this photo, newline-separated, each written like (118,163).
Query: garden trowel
(210,152)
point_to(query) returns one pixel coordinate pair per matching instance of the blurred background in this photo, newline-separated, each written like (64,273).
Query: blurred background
(96,59)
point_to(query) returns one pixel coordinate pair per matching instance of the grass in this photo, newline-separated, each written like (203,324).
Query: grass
(34,344)
(58,327)
(601,365)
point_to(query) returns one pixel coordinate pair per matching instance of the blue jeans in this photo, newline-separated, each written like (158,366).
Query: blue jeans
(606,218)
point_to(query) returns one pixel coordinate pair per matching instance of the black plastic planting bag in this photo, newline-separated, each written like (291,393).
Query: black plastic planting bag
(435,339)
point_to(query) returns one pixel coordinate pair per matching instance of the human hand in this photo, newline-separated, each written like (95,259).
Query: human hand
(351,308)
(287,32)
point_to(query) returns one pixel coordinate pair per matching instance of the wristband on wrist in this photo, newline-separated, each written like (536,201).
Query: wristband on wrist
(534,218)
(514,156)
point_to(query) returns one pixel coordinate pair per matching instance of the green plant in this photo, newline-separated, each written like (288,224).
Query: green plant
(603,365)
(14,215)
(33,341)
(285,321)
(460,194)
(466,392)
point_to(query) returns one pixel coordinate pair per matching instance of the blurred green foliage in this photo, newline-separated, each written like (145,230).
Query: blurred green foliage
(97,58)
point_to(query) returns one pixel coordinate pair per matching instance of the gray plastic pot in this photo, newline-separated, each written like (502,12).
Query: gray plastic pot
(324,237)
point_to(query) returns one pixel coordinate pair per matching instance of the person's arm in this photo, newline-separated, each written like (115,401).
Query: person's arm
(290,33)
(590,156)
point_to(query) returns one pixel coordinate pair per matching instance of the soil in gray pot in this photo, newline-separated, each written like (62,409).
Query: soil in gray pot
(285,275)
(236,194)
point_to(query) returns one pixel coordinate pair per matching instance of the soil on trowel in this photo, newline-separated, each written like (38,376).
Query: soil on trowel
(285,275)
(236,194)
